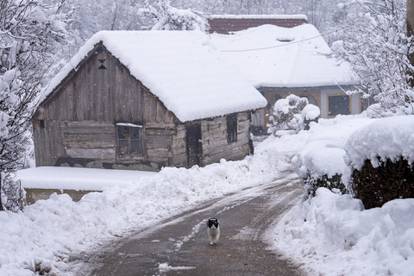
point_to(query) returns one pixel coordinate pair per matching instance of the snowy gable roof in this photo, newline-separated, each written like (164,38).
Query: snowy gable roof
(272,56)
(180,68)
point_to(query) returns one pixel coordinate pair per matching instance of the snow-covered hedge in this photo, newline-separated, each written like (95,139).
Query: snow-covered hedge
(387,138)
(293,114)
(332,234)
(382,158)
(321,162)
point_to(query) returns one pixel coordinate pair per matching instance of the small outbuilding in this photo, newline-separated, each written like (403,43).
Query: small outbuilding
(144,100)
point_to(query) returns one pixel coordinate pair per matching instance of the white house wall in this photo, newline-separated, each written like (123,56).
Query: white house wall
(355,101)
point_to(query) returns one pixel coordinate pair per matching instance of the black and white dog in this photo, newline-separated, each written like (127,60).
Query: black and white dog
(213,230)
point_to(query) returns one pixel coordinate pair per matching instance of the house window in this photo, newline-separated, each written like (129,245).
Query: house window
(338,105)
(231,128)
(130,140)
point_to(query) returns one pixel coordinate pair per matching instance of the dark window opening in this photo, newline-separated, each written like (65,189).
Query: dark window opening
(338,105)
(42,123)
(231,128)
(101,64)
(130,140)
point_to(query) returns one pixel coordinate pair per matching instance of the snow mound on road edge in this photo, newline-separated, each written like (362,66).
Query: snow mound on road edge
(332,234)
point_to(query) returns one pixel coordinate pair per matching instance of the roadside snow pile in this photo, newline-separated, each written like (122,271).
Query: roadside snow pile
(78,179)
(388,138)
(332,234)
(50,231)
(323,153)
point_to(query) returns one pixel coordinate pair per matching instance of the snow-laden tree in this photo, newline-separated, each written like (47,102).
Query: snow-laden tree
(375,42)
(292,114)
(29,31)
(167,17)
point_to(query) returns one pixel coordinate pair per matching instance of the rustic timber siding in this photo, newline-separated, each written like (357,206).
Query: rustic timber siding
(79,120)
(76,124)
(228,25)
(215,145)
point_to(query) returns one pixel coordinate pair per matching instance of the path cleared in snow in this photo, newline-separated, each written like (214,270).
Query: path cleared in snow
(179,246)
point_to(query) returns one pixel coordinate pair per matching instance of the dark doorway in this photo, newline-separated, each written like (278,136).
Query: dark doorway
(194,146)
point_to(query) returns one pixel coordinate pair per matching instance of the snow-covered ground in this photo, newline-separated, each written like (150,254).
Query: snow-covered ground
(332,234)
(79,179)
(49,231)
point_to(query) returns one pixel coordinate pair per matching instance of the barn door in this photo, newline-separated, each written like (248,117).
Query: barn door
(194,146)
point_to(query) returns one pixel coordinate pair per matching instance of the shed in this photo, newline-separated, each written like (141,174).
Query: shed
(280,60)
(143,100)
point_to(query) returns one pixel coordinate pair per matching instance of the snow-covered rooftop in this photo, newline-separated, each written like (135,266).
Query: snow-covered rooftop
(283,57)
(180,68)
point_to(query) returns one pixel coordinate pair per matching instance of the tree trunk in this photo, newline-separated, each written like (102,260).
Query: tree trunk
(410,17)
(410,30)
(1,203)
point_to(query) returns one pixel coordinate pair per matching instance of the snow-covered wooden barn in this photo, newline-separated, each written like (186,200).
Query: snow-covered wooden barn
(144,100)
(282,55)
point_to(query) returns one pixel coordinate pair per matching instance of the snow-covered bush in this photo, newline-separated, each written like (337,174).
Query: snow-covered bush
(167,17)
(29,33)
(323,166)
(332,234)
(292,114)
(377,46)
(12,192)
(382,158)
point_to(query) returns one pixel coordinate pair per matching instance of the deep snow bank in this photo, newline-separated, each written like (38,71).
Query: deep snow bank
(332,234)
(50,231)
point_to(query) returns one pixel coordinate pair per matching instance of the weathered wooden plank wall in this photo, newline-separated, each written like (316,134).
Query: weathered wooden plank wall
(80,118)
(214,139)
(78,125)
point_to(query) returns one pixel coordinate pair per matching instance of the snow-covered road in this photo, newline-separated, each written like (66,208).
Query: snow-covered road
(179,245)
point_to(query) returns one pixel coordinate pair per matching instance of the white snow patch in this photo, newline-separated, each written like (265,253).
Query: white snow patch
(391,138)
(79,179)
(266,61)
(165,267)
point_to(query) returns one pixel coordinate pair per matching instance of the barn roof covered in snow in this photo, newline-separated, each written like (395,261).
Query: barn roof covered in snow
(272,56)
(179,67)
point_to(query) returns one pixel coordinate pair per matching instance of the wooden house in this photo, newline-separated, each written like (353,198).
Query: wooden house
(282,55)
(144,100)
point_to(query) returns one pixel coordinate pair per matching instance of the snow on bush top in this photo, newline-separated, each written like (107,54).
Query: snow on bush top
(303,60)
(179,67)
(385,138)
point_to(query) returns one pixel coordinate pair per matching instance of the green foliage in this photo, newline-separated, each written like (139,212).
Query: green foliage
(333,183)
(391,180)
